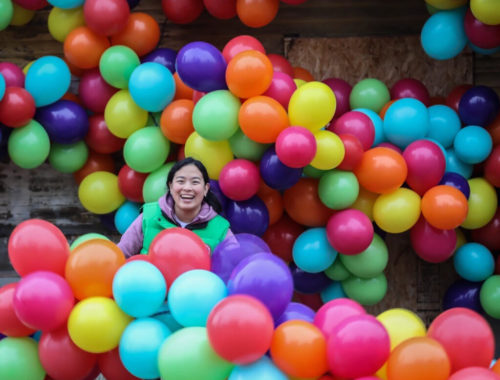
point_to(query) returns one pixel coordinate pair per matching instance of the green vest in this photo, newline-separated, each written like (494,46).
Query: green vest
(153,222)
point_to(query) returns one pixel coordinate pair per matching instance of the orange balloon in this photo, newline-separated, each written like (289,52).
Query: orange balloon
(176,120)
(303,205)
(257,13)
(496,367)
(418,358)
(494,130)
(182,90)
(301,73)
(96,162)
(381,170)
(141,34)
(91,267)
(385,108)
(83,48)
(249,74)
(298,348)
(444,207)
(274,203)
(262,119)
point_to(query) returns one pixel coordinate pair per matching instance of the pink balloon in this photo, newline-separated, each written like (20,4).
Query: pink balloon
(390,146)
(43,300)
(296,147)
(281,64)
(239,179)
(479,34)
(358,347)
(332,313)
(357,124)
(342,91)
(281,88)
(241,43)
(349,231)
(432,244)
(94,91)
(410,88)
(474,373)
(426,165)
(13,75)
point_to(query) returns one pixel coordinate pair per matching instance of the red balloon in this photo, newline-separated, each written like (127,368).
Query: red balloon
(10,324)
(479,34)
(241,43)
(432,244)
(94,91)
(353,152)
(32,5)
(492,167)
(222,9)
(314,301)
(281,64)
(453,98)
(96,162)
(106,17)
(474,373)
(38,245)
(182,11)
(130,184)
(100,139)
(410,88)
(17,107)
(357,124)
(281,235)
(13,74)
(62,359)
(112,367)
(489,235)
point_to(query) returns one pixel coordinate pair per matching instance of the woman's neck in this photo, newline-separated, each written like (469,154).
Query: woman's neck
(186,216)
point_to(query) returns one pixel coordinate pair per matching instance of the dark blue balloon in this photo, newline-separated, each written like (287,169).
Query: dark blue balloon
(296,311)
(163,56)
(275,173)
(2,336)
(66,122)
(463,293)
(108,221)
(215,189)
(308,283)
(479,105)
(250,216)
(132,3)
(457,181)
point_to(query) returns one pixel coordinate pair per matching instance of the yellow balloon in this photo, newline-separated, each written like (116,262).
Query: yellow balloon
(365,201)
(99,193)
(213,154)
(96,324)
(446,4)
(397,211)
(27,67)
(486,11)
(123,116)
(330,150)
(62,21)
(299,82)
(21,15)
(312,106)
(482,204)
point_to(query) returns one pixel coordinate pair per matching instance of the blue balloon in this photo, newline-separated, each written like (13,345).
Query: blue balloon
(455,165)
(250,216)
(332,292)
(66,4)
(139,288)
(443,35)
(312,252)
(378,124)
(473,144)
(405,121)
(47,80)
(262,369)
(457,181)
(474,262)
(463,293)
(444,124)
(193,295)
(163,56)
(139,346)
(295,311)
(152,86)
(479,105)
(275,173)
(308,283)
(3,86)
(125,215)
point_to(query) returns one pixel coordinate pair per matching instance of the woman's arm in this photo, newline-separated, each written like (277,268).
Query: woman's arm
(132,239)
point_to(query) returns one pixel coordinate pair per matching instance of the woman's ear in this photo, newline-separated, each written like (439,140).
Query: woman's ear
(207,188)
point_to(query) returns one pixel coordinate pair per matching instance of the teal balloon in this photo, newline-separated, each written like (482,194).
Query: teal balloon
(338,189)
(406,121)
(19,360)
(215,116)
(6,13)
(473,136)
(369,93)
(444,124)
(455,165)
(366,291)
(243,147)
(165,316)
(370,262)
(312,252)
(155,184)
(312,172)
(489,296)
(332,292)
(117,64)
(83,238)
(68,158)
(146,149)
(474,262)
(29,146)
(262,369)
(337,271)
(47,80)
(2,86)
(125,215)
(378,124)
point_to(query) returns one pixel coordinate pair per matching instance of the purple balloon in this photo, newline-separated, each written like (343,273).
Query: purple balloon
(457,181)
(66,122)
(296,311)
(163,56)
(250,216)
(463,293)
(479,105)
(2,336)
(275,173)
(215,189)
(202,67)
(265,277)
(308,283)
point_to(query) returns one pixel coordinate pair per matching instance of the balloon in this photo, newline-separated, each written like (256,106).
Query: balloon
(364,202)
(117,64)
(474,262)
(472,136)
(463,293)
(432,244)
(369,93)
(95,162)
(444,207)
(100,139)
(281,88)
(480,34)
(397,211)
(19,359)
(484,11)
(349,231)
(342,91)
(7,11)
(106,18)
(10,324)
(281,235)
(370,262)
(357,124)
(152,86)
(123,117)
(338,189)
(492,167)
(256,14)
(489,235)
(155,185)
(406,121)
(83,48)
(482,204)
(68,158)
(332,313)
(176,120)
(410,88)
(474,372)
(444,124)
(94,92)
(243,147)
(312,251)
(17,107)
(401,325)
(275,173)
(183,11)
(213,154)
(130,183)
(457,181)
(296,311)
(478,106)
(239,44)
(112,367)
(489,296)
(249,74)
(163,56)
(62,21)
(330,151)
(250,216)
(83,238)
(141,34)
(306,282)
(337,271)
(146,150)
(263,369)
(366,291)
(239,179)
(99,193)
(29,146)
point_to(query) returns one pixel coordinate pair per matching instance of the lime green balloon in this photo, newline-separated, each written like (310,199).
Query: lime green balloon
(85,237)
(123,116)
(68,158)
(369,93)
(312,172)
(6,13)
(366,291)
(337,271)
(215,116)
(155,184)
(19,360)
(29,146)
(62,21)
(116,65)
(369,263)
(482,204)
(490,296)
(146,150)
(187,355)
(338,189)
(99,193)
(243,147)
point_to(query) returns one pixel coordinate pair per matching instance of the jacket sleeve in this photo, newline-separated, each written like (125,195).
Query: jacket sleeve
(132,239)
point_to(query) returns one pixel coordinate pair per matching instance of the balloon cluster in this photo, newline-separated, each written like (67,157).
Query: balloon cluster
(177,313)
(456,24)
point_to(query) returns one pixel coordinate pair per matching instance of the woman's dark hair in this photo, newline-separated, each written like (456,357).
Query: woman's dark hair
(210,198)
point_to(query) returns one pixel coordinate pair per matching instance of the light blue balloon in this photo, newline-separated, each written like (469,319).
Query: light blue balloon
(262,369)
(443,34)
(193,295)
(444,124)
(405,121)
(473,144)
(474,262)
(47,80)
(139,346)
(378,124)
(152,86)
(139,288)
(312,252)
(455,165)
(332,292)
(66,4)
(2,86)
(125,215)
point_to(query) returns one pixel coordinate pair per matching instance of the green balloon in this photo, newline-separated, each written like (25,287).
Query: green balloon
(116,65)
(215,116)
(369,93)
(6,13)
(85,237)
(312,172)
(155,184)
(187,355)
(337,271)
(489,296)
(243,147)
(68,158)
(369,263)
(19,360)
(338,189)
(146,149)
(366,291)
(29,146)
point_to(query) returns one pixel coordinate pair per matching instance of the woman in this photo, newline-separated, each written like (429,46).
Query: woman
(188,203)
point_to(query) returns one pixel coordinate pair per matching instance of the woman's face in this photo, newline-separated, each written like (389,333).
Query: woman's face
(188,188)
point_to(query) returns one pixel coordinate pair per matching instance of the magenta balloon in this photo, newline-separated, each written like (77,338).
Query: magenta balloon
(432,244)
(357,124)
(13,75)
(334,312)
(473,373)
(349,231)
(296,147)
(410,88)
(342,91)
(281,88)
(94,91)
(479,34)
(426,165)
(239,179)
